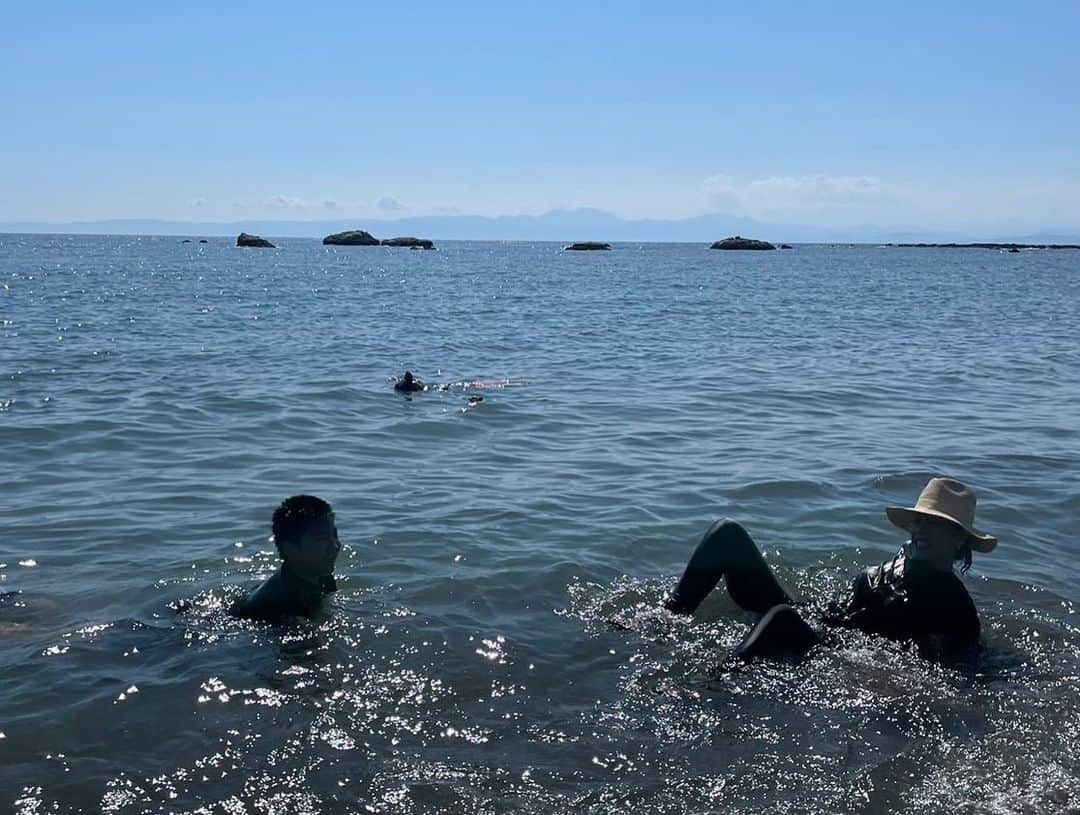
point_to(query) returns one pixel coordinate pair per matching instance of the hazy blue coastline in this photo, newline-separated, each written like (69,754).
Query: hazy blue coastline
(560,225)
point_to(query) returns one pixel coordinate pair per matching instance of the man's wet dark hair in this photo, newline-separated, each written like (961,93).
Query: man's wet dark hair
(295,514)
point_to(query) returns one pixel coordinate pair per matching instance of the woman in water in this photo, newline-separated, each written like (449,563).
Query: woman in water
(914,595)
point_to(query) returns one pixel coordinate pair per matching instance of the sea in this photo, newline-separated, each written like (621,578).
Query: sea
(497,643)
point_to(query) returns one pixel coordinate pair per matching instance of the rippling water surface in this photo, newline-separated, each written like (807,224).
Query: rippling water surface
(495,645)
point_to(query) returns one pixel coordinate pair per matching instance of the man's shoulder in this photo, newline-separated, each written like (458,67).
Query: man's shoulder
(265,602)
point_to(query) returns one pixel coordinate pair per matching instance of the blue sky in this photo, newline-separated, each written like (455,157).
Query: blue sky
(805,113)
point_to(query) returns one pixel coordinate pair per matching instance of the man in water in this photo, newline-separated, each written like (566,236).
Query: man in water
(307,541)
(915,595)
(409,384)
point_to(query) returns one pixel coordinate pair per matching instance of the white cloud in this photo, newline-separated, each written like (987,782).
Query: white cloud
(297,202)
(198,202)
(794,196)
(388,204)
(289,202)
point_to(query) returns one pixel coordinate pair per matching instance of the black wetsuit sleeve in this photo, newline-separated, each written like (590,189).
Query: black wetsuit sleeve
(963,620)
(941,607)
(856,610)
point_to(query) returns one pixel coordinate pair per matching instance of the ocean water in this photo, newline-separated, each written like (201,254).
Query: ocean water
(496,643)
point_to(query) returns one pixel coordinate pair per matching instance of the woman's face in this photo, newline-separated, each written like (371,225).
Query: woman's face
(937,541)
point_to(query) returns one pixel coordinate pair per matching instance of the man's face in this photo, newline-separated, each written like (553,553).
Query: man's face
(317,550)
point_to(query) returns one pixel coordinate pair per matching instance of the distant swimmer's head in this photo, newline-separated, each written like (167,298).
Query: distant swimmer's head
(942,525)
(306,536)
(409,383)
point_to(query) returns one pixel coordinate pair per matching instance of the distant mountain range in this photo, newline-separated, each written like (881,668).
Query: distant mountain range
(557,225)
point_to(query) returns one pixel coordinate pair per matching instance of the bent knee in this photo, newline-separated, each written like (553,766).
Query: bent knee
(727,528)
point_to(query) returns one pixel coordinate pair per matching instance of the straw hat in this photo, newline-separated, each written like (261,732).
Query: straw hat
(948,499)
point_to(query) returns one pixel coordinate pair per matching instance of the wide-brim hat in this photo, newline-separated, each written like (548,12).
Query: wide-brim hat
(947,499)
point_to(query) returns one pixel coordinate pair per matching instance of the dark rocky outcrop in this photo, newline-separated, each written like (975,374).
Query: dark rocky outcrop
(587,246)
(203,240)
(186,240)
(420,243)
(785,246)
(244,239)
(739,242)
(354,237)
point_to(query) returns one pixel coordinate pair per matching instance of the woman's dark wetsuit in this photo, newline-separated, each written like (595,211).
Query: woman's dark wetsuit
(900,598)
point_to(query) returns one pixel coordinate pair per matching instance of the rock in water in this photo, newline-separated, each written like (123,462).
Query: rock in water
(244,239)
(588,246)
(354,237)
(739,242)
(420,243)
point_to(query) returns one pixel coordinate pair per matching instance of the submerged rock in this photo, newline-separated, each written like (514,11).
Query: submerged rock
(244,239)
(587,246)
(739,242)
(354,237)
(419,243)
